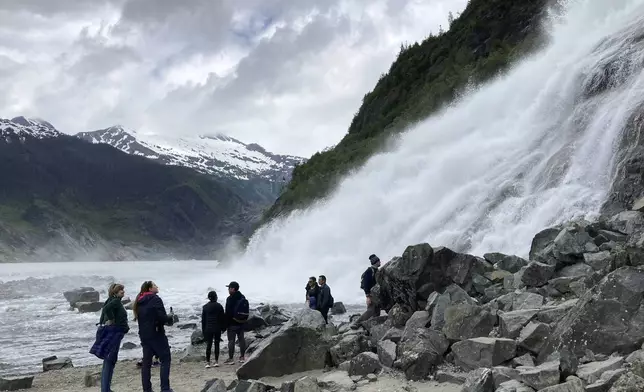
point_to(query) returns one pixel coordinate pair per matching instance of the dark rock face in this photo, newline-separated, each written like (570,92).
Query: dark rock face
(298,346)
(420,351)
(83,294)
(608,318)
(420,271)
(483,352)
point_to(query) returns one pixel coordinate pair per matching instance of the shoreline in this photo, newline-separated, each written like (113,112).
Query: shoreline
(192,376)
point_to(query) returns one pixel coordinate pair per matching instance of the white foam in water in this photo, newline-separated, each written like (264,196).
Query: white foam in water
(525,152)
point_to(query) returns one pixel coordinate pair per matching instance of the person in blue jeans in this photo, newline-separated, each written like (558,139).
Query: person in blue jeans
(151,316)
(312,293)
(114,327)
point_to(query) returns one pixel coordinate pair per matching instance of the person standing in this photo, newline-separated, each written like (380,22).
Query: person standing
(150,313)
(312,293)
(325,299)
(114,327)
(367,281)
(236,316)
(212,324)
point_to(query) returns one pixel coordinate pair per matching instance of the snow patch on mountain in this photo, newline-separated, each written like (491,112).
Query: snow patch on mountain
(23,127)
(212,154)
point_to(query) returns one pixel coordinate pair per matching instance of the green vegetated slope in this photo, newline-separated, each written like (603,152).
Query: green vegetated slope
(58,187)
(487,37)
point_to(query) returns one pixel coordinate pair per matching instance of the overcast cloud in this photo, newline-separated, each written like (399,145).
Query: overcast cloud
(287,74)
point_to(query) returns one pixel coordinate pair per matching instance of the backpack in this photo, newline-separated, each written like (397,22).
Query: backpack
(362,278)
(330,300)
(241,312)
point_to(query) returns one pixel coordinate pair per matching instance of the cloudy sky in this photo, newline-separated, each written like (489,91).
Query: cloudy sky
(288,74)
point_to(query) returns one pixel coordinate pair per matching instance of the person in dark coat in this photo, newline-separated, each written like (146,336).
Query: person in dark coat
(234,327)
(150,313)
(325,299)
(368,281)
(113,328)
(312,293)
(213,322)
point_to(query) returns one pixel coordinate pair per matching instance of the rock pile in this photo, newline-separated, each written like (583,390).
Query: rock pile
(85,299)
(570,318)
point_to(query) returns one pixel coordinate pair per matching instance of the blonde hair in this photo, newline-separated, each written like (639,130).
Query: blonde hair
(114,289)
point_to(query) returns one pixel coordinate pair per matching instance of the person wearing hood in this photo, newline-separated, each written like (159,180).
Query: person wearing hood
(152,318)
(113,328)
(368,280)
(236,316)
(213,322)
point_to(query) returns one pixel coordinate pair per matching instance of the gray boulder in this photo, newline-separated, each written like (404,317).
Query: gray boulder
(513,386)
(537,274)
(511,323)
(504,262)
(452,295)
(399,315)
(88,307)
(573,384)
(387,352)
(608,318)
(592,372)
(306,384)
(465,321)
(533,337)
(628,382)
(479,380)
(16,383)
(483,352)
(55,363)
(298,346)
(542,376)
(214,385)
(349,347)
(83,294)
(338,308)
(400,280)
(363,364)
(420,352)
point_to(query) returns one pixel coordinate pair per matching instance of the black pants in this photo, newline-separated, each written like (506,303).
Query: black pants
(209,337)
(325,314)
(236,332)
(156,346)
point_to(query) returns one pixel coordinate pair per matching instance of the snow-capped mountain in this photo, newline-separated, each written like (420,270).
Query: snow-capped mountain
(218,155)
(21,127)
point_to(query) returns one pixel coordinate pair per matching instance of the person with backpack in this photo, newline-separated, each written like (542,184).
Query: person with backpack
(213,322)
(367,281)
(151,316)
(237,313)
(325,299)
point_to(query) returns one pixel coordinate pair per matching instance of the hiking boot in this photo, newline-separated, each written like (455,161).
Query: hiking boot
(216,364)
(242,360)
(207,365)
(229,362)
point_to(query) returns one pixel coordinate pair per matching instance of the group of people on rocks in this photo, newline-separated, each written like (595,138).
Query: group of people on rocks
(151,316)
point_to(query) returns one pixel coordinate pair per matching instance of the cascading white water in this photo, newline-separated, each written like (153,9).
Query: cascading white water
(524,152)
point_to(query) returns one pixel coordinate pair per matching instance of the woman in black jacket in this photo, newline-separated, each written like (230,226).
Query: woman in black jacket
(150,313)
(213,323)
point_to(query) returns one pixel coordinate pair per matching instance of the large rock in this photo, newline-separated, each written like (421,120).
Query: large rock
(306,384)
(573,384)
(363,364)
(628,382)
(16,383)
(592,371)
(452,295)
(504,262)
(465,321)
(420,271)
(539,377)
(214,385)
(483,352)
(83,294)
(421,351)
(349,347)
(55,363)
(479,380)
(298,346)
(514,386)
(88,307)
(399,315)
(511,323)
(608,318)
(338,308)
(537,274)
(271,315)
(387,352)
(533,337)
